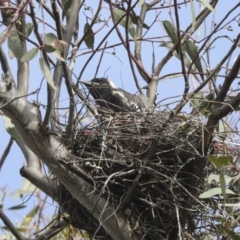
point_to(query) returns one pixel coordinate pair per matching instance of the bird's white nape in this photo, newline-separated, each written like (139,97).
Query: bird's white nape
(112,85)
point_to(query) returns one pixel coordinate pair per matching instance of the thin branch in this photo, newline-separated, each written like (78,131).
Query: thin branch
(228,81)
(184,37)
(186,88)
(70,126)
(49,90)
(4,62)
(46,8)
(219,113)
(53,231)
(129,51)
(138,44)
(100,60)
(91,25)
(79,93)
(11,227)
(210,76)
(140,66)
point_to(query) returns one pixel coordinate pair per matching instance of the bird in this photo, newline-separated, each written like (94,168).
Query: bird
(111,99)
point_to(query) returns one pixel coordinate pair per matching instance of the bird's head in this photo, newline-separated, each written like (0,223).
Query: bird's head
(99,86)
(108,96)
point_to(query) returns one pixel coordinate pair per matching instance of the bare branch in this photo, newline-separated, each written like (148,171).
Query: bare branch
(223,110)
(11,227)
(51,150)
(138,44)
(38,179)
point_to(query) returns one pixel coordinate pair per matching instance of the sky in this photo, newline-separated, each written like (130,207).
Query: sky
(114,66)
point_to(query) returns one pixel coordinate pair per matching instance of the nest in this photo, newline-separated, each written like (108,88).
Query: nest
(148,164)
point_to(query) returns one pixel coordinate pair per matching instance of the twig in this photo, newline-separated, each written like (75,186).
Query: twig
(95,75)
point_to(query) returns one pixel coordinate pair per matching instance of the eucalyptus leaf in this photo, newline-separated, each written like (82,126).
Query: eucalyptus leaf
(169,45)
(192,51)
(29,55)
(89,39)
(10,128)
(57,55)
(118,14)
(49,38)
(171,32)
(28,29)
(214,191)
(207,5)
(14,44)
(17,207)
(47,73)
(66,6)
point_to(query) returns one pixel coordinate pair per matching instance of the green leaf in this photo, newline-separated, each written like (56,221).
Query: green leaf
(17,207)
(214,191)
(118,13)
(196,100)
(222,182)
(28,29)
(89,39)
(29,55)
(57,55)
(66,7)
(215,177)
(221,161)
(47,73)
(204,104)
(10,127)
(207,5)
(192,51)
(170,45)
(49,38)
(49,49)
(14,44)
(171,32)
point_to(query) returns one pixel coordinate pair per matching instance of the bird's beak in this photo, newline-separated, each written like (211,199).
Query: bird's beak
(86,83)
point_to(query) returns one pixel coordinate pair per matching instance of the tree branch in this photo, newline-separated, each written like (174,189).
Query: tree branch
(11,227)
(51,149)
(220,110)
